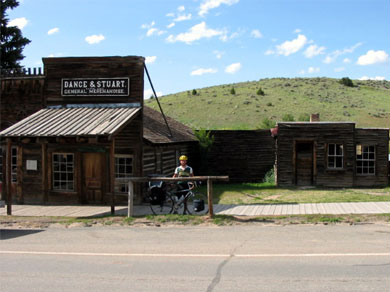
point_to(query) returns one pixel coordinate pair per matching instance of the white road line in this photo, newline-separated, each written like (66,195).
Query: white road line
(194,255)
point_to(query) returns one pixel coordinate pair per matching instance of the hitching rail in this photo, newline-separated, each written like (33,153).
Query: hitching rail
(209,180)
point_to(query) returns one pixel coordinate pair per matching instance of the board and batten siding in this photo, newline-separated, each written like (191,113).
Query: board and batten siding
(243,155)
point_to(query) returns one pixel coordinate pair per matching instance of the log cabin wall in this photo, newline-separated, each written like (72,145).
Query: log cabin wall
(379,138)
(243,155)
(57,69)
(320,134)
(163,159)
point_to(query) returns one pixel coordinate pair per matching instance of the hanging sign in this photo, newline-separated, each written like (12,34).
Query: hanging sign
(95,86)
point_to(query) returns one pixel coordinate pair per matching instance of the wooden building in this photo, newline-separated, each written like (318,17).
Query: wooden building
(84,131)
(331,154)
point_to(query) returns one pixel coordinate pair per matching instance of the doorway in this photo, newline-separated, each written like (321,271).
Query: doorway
(93,183)
(304,163)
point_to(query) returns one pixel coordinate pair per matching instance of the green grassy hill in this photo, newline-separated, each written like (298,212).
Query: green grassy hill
(367,104)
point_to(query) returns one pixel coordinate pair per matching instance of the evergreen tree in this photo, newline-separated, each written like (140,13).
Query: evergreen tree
(194,92)
(260,91)
(232,91)
(11,40)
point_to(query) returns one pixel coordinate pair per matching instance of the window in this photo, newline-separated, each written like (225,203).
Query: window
(14,164)
(123,169)
(335,156)
(365,159)
(63,172)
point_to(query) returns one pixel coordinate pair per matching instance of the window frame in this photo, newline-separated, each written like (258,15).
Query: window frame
(335,156)
(119,186)
(67,164)
(368,160)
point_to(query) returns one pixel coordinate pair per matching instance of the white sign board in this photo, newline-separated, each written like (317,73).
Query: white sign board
(31,165)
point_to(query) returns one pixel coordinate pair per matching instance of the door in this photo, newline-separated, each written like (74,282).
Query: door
(93,169)
(304,163)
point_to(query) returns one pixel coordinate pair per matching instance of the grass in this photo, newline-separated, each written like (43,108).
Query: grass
(368,103)
(267,193)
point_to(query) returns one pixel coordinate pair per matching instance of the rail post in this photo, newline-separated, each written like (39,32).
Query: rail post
(130,199)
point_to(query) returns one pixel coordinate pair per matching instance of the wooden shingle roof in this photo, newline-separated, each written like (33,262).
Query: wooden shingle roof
(156,132)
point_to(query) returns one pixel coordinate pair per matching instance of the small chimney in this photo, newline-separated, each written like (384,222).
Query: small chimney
(314,118)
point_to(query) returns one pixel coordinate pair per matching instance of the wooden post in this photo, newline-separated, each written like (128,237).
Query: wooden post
(19,173)
(210,197)
(112,176)
(130,199)
(44,172)
(8,177)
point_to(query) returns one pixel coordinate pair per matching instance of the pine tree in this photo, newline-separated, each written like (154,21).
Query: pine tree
(232,91)
(11,40)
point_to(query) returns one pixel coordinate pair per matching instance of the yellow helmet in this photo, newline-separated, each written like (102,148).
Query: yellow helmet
(183,157)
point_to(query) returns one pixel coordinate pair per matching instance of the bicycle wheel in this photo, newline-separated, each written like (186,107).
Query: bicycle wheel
(161,208)
(196,204)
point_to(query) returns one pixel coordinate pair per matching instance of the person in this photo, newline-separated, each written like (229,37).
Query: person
(183,170)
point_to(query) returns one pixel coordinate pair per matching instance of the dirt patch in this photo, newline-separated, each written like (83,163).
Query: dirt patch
(185,220)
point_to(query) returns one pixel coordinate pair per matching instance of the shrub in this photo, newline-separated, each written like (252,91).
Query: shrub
(269,177)
(267,123)
(346,81)
(304,118)
(260,91)
(269,104)
(288,118)
(194,92)
(232,91)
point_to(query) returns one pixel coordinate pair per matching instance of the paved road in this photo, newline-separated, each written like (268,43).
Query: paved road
(238,258)
(241,210)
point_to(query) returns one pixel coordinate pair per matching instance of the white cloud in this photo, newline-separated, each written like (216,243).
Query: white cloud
(195,33)
(302,72)
(218,54)
(269,52)
(339,69)
(181,8)
(202,71)
(233,68)
(149,92)
(347,60)
(373,57)
(53,31)
(211,4)
(297,30)
(171,14)
(55,55)
(150,59)
(145,26)
(290,47)
(152,30)
(94,39)
(19,22)
(380,78)
(171,25)
(330,58)
(256,34)
(313,70)
(183,17)
(313,50)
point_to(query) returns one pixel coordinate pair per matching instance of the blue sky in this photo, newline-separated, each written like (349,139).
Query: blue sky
(198,43)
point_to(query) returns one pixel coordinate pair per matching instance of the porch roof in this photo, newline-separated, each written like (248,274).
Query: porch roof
(68,121)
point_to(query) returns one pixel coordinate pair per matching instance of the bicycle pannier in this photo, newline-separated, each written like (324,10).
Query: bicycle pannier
(198,205)
(157,196)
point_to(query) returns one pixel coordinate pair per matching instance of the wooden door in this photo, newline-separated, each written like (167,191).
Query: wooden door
(304,163)
(93,184)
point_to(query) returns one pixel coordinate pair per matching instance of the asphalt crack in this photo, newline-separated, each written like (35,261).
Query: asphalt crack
(218,275)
